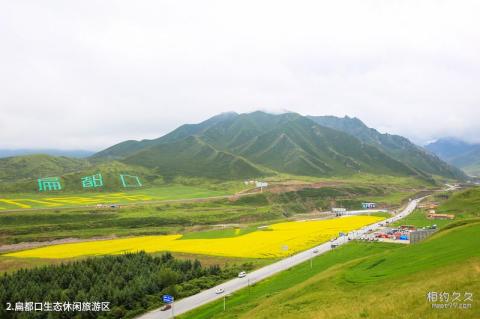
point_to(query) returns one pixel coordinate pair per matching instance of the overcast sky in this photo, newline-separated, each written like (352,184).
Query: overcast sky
(88,74)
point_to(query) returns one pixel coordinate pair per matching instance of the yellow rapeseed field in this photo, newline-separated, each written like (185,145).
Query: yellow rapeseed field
(72,200)
(271,242)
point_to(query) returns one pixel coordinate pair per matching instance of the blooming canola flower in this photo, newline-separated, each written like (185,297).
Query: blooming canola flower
(278,240)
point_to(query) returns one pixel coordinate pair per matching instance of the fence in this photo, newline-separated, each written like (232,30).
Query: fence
(419,235)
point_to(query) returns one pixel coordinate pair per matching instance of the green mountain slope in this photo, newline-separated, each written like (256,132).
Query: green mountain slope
(304,148)
(129,147)
(35,166)
(248,145)
(193,157)
(396,146)
(20,174)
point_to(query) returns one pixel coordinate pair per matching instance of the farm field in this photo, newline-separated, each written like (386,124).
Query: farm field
(277,240)
(149,218)
(61,199)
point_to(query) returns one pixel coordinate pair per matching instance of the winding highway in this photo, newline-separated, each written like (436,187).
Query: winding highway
(207,296)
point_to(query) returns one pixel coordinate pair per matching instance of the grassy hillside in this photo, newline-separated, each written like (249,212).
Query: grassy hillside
(71,174)
(396,146)
(373,280)
(366,280)
(193,157)
(17,168)
(465,204)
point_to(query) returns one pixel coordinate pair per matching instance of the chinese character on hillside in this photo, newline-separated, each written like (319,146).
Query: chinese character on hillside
(92,181)
(49,184)
(130,181)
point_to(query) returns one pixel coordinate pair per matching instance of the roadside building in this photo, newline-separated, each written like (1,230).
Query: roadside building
(440,216)
(339,211)
(368,205)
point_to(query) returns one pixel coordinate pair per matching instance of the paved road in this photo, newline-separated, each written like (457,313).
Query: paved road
(233,285)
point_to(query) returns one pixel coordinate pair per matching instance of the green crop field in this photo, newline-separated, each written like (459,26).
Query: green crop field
(159,193)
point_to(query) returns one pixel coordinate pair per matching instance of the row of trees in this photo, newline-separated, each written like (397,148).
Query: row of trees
(131,283)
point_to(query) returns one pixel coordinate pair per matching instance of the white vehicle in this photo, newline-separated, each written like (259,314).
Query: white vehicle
(315,251)
(219,291)
(242,274)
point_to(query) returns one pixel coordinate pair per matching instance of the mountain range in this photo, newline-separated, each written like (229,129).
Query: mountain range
(237,146)
(232,145)
(459,153)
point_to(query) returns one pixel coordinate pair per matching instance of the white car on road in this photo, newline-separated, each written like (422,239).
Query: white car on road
(219,291)
(242,274)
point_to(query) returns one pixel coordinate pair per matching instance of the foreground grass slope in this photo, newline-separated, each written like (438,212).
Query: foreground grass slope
(366,280)
(371,280)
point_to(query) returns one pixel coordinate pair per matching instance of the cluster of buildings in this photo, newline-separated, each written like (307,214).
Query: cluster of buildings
(431,212)
(258,184)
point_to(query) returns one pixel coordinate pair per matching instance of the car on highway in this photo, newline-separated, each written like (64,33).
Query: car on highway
(315,251)
(219,291)
(166,307)
(242,274)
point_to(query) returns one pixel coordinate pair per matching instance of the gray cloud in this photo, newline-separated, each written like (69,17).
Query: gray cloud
(89,74)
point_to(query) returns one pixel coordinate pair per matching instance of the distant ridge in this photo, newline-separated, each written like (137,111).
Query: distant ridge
(459,153)
(52,152)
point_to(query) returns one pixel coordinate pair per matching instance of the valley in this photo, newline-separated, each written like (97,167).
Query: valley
(193,194)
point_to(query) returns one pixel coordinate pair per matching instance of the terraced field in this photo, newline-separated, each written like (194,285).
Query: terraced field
(277,240)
